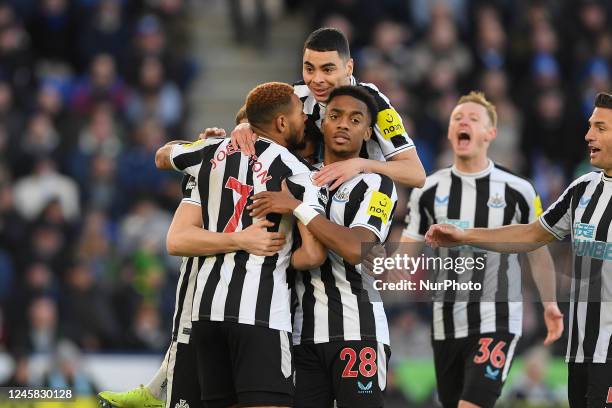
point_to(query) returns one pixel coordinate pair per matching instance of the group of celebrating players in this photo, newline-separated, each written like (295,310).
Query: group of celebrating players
(274,307)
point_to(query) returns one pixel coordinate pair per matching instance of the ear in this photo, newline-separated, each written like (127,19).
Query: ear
(349,67)
(280,123)
(368,133)
(491,134)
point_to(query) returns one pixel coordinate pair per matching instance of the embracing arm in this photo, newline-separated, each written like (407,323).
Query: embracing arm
(344,241)
(310,254)
(186,237)
(404,168)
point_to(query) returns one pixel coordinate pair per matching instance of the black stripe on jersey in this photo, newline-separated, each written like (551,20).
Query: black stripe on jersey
(386,187)
(502,310)
(592,325)
(308,304)
(454,198)
(426,204)
(181,296)
(185,160)
(234,289)
(481,214)
(334,302)
(355,198)
(211,285)
(481,220)
(204,181)
(575,194)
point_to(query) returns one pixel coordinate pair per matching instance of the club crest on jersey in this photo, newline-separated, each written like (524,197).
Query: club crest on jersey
(496,201)
(583,202)
(380,206)
(490,373)
(440,201)
(389,123)
(181,404)
(342,195)
(364,388)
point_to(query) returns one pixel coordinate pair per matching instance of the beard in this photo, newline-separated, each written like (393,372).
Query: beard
(296,141)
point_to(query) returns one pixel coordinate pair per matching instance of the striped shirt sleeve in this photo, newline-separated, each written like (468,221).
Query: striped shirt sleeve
(376,207)
(191,193)
(186,157)
(303,189)
(557,218)
(389,130)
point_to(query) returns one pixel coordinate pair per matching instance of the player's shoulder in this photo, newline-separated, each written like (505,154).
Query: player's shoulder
(588,177)
(436,176)
(379,182)
(301,89)
(512,178)
(381,99)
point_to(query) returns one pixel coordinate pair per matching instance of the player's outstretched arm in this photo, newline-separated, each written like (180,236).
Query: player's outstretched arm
(507,239)
(186,237)
(404,168)
(311,254)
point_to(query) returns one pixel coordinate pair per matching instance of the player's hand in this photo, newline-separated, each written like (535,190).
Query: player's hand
(339,172)
(243,138)
(256,240)
(367,265)
(212,132)
(444,235)
(554,322)
(277,202)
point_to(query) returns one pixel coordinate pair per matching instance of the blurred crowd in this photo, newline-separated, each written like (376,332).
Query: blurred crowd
(89,89)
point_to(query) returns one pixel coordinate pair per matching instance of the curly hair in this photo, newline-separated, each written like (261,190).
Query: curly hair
(265,101)
(480,99)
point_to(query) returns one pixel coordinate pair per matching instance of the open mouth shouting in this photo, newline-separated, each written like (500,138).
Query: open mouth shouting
(593,151)
(463,139)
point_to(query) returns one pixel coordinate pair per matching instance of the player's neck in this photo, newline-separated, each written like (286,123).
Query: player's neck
(472,165)
(330,157)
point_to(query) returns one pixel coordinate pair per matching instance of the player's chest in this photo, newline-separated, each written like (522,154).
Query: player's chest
(469,203)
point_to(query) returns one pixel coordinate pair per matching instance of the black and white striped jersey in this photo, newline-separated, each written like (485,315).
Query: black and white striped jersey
(181,327)
(488,199)
(390,136)
(237,286)
(336,301)
(584,212)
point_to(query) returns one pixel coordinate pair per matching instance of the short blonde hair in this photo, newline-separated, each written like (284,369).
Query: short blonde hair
(479,98)
(241,115)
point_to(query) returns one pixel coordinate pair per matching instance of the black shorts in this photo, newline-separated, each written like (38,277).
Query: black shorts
(243,364)
(182,376)
(589,385)
(353,373)
(473,368)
